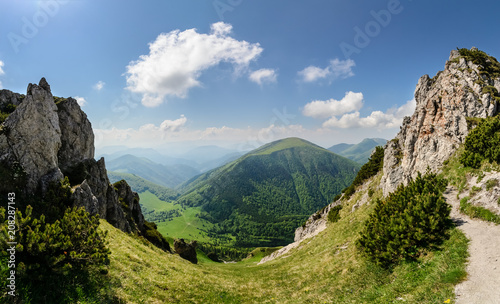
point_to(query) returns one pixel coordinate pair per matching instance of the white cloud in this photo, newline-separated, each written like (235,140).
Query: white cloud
(99,85)
(342,68)
(312,73)
(177,59)
(337,69)
(377,119)
(405,110)
(81,101)
(263,76)
(173,125)
(323,109)
(166,125)
(175,131)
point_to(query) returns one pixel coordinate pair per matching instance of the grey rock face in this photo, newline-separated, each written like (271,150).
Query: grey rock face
(315,223)
(8,97)
(49,141)
(33,135)
(83,197)
(109,207)
(130,204)
(77,137)
(438,126)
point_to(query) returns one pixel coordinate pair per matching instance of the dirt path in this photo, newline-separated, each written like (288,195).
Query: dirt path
(483,281)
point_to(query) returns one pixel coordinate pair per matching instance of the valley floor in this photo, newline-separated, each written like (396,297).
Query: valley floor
(483,268)
(323,269)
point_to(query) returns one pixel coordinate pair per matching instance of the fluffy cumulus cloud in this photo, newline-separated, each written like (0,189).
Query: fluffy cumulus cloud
(323,109)
(173,125)
(263,76)
(166,125)
(81,101)
(392,118)
(337,69)
(177,59)
(99,85)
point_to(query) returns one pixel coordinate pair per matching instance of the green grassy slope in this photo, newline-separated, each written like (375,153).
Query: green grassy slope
(262,197)
(187,226)
(151,202)
(324,269)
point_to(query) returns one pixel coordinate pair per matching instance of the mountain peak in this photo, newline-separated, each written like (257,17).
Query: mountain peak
(467,87)
(283,144)
(45,139)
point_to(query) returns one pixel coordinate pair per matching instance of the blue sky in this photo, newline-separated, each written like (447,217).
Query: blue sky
(238,73)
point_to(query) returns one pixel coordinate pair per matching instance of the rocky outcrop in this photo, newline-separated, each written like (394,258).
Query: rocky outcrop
(187,251)
(77,138)
(44,139)
(315,223)
(484,190)
(439,125)
(8,97)
(32,136)
(130,204)
(312,227)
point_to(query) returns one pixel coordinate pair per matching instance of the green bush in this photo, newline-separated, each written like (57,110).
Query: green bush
(490,65)
(64,257)
(482,143)
(409,220)
(333,214)
(74,241)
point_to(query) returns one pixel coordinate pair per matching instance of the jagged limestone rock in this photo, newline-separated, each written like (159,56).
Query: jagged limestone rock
(315,223)
(77,137)
(48,141)
(109,207)
(83,197)
(439,125)
(8,97)
(33,135)
(130,204)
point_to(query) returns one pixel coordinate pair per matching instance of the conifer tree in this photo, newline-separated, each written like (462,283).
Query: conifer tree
(411,219)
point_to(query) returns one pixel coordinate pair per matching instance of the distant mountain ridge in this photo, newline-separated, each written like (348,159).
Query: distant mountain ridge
(260,198)
(202,158)
(358,152)
(168,176)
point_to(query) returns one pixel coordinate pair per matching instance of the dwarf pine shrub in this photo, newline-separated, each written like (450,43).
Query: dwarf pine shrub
(482,143)
(409,220)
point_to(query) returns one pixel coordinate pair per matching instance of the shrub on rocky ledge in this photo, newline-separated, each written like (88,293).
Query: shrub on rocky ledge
(483,142)
(409,220)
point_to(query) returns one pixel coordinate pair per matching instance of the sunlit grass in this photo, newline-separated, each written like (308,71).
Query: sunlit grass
(324,269)
(152,202)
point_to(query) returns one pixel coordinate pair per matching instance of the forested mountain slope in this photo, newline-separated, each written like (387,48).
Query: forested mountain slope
(261,198)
